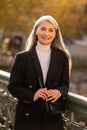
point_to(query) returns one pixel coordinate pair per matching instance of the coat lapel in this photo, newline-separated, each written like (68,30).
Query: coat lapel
(36,64)
(52,68)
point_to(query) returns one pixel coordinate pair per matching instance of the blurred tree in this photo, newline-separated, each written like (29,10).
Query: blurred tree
(20,15)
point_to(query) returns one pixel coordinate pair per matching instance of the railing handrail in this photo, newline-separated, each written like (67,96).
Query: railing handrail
(4,74)
(77,103)
(74,102)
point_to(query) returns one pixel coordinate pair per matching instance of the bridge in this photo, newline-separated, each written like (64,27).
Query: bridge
(75,117)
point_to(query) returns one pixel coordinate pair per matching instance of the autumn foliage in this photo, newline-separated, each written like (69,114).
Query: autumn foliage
(20,15)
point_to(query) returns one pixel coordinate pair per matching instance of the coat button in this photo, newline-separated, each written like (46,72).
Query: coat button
(30,86)
(56,83)
(27,114)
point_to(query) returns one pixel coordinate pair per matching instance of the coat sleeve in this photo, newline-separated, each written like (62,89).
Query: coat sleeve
(64,83)
(16,84)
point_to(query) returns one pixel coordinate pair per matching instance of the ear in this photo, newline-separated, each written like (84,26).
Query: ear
(36,32)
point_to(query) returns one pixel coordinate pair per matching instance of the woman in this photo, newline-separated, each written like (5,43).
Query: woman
(47,58)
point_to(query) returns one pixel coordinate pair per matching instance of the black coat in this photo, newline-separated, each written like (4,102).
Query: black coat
(24,83)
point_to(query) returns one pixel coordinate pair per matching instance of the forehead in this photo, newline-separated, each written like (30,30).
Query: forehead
(46,24)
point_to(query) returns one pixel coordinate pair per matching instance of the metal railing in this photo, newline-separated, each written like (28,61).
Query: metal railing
(75,104)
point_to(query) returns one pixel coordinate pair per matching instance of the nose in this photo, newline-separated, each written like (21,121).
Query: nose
(47,32)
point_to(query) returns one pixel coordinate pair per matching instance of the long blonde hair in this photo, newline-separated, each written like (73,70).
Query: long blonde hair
(57,43)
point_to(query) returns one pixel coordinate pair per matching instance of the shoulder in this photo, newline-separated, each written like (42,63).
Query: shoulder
(59,52)
(22,55)
(21,59)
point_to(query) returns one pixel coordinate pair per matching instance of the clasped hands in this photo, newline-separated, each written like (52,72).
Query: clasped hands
(48,95)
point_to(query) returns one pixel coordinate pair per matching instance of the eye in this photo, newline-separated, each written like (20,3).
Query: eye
(43,29)
(51,30)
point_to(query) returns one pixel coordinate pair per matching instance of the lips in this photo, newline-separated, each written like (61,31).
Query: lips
(45,38)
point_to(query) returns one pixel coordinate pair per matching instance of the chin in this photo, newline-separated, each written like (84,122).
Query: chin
(45,43)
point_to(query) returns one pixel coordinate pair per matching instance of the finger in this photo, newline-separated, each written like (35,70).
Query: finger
(45,92)
(50,95)
(49,91)
(53,100)
(42,95)
(50,98)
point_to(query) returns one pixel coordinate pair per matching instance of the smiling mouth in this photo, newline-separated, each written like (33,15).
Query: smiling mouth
(45,38)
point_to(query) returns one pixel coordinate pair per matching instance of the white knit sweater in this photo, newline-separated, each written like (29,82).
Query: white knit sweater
(44,54)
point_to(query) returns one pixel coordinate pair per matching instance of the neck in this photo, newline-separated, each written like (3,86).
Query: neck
(42,47)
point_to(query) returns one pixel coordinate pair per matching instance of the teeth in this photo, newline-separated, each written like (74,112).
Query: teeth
(45,38)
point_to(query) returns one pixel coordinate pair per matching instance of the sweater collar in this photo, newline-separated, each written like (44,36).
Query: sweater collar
(42,47)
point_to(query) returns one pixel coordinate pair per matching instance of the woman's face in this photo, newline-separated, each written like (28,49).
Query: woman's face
(45,33)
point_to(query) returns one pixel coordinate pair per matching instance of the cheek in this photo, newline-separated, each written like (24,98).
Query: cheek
(54,36)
